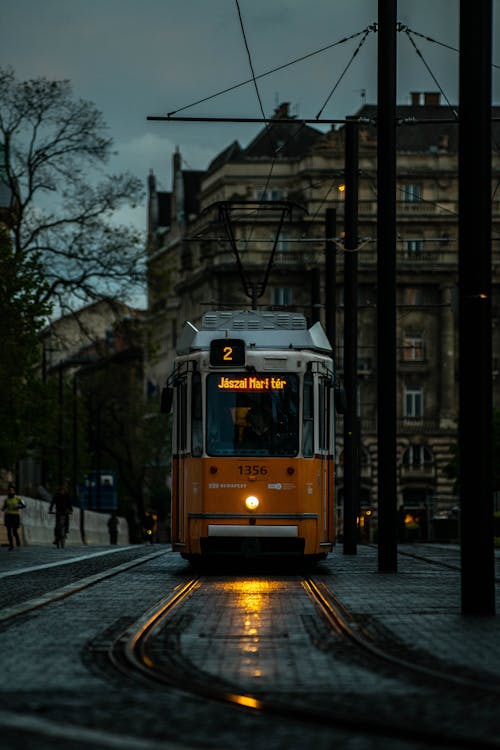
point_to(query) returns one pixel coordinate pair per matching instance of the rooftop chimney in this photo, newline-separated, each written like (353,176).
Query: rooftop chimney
(432,98)
(429,98)
(281,111)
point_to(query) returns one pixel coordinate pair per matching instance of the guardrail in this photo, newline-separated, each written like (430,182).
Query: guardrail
(37,525)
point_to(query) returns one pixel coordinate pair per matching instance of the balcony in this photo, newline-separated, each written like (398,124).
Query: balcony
(418,208)
(300,258)
(406,426)
(413,425)
(408,209)
(425,470)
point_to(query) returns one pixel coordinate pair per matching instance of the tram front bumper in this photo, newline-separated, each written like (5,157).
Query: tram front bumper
(252,531)
(252,541)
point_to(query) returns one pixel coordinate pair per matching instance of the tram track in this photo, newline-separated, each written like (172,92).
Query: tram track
(341,619)
(133,654)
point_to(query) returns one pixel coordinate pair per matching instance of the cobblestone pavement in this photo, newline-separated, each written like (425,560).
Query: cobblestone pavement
(57,689)
(421,604)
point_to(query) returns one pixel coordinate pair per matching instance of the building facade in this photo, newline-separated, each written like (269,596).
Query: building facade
(209,245)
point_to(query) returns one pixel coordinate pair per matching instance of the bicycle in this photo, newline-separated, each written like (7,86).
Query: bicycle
(60,529)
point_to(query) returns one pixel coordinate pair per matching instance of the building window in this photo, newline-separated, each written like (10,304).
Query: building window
(412,192)
(413,296)
(417,457)
(413,249)
(283,244)
(413,348)
(281,295)
(414,402)
(270,195)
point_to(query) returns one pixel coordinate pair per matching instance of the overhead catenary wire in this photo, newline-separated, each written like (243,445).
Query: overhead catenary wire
(253,290)
(402,27)
(372,27)
(267,73)
(268,130)
(410,121)
(364,34)
(408,33)
(353,56)
(275,150)
(252,68)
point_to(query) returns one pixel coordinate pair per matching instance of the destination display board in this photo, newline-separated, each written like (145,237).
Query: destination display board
(252,383)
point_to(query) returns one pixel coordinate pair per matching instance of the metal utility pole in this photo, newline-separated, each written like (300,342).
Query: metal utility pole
(331,277)
(351,432)
(76,498)
(316,295)
(474,282)
(386,286)
(60,427)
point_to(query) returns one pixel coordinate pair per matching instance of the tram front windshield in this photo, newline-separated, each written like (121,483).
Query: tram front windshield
(252,414)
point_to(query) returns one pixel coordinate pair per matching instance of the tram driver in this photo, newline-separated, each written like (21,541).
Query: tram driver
(257,432)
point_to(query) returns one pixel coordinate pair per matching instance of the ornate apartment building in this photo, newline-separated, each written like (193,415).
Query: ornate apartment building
(192,267)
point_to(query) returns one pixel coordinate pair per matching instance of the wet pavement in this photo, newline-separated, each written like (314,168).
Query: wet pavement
(57,689)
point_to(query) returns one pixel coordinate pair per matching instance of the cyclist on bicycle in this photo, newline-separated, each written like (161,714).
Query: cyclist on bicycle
(61,501)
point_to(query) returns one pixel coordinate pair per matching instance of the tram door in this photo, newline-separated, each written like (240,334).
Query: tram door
(324,433)
(178,511)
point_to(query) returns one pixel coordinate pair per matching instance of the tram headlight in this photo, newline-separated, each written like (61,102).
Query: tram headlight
(252,502)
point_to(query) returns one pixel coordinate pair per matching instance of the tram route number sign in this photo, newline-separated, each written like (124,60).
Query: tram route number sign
(227,353)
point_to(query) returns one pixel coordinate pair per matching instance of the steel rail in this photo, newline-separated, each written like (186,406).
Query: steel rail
(340,620)
(130,654)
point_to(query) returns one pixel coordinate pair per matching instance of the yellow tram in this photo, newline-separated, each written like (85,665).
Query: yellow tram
(252,394)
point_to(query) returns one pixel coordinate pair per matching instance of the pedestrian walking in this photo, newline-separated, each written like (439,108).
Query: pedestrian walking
(113,524)
(12,505)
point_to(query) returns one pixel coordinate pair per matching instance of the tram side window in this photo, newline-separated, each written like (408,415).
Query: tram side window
(182,417)
(322,417)
(325,413)
(331,419)
(196,416)
(308,417)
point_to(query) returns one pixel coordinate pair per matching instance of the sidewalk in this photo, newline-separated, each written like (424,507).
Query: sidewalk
(420,607)
(34,556)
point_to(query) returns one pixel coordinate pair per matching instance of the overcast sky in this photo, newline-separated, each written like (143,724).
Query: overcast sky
(135,58)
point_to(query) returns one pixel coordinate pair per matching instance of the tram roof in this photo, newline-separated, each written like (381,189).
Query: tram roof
(259,329)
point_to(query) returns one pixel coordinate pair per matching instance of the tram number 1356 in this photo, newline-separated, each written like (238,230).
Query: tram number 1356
(252,471)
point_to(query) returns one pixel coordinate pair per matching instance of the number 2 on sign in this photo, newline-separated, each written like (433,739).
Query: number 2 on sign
(228,354)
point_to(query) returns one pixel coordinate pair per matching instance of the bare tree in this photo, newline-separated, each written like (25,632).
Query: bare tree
(54,149)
